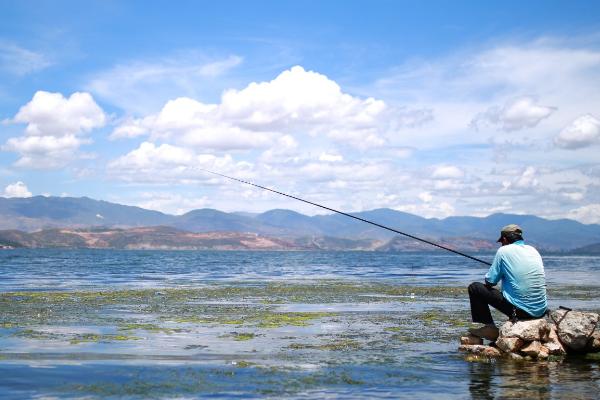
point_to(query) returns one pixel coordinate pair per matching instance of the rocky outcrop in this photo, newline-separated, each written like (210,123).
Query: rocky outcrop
(528,331)
(566,332)
(576,329)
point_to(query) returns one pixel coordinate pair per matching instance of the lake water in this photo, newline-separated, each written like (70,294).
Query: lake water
(189,324)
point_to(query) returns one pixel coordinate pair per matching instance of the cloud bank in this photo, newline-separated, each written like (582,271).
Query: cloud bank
(55,129)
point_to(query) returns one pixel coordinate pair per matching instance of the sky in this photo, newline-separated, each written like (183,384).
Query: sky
(436,108)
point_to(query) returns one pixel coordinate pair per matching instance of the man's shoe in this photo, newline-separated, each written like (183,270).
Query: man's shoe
(489,332)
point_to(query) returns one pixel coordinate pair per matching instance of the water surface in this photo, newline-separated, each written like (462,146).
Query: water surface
(187,324)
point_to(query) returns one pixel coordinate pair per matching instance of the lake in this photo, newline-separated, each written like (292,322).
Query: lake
(189,324)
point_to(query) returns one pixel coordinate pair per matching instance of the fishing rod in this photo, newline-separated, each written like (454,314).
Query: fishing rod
(348,215)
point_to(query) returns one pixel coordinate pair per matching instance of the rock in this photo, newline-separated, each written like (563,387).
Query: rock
(487,351)
(530,330)
(555,348)
(574,328)
(473,348)
(515,356)
(554,345)
(532,349)
(509,344)
(593,345)
(471,339)
(544,353)
(491,352)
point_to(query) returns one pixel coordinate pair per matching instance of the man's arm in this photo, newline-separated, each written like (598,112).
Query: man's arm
(494,275)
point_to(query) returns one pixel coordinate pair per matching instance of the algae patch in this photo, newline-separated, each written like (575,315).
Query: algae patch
(335,345)
(147,327)
(240,337)
(276,320)
(93,338)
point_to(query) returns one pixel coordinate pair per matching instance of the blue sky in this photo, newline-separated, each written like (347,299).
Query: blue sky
(436,108)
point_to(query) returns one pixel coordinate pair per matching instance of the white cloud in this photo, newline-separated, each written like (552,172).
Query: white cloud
(350,171)
(456,88)
(51,114)
(441,209)
(582,132)
(171,164)
(42,152)
(588,214)
(285,149)
(515,115)
(525,179)
(447,172)
(330,157)
(299,98)
(19,61)
(17,189)
(296,103)
(192,123)
(55,126)
(130,128)
(425,197)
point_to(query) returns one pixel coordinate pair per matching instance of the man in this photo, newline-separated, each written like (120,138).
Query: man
(520,268)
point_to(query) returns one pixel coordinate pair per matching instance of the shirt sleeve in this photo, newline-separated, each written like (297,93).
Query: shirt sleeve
(494,275)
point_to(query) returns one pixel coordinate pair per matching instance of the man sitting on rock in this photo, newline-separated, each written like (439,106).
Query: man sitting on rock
(520,268)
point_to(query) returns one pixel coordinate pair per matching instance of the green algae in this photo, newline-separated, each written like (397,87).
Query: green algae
(221,320)
(393,329)
(190,305)
(244,364)
(240,337)
(410,338)
(347,379)
(73,339)
(335,345)
(96,338)
(593,356)
(147,327)
(37,334)
(439,316)
(276,320)
(370,336)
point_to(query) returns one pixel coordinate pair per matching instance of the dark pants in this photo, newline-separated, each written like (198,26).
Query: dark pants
(482,297)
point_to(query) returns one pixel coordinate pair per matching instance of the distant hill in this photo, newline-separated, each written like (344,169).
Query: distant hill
(155,238)
(38,213)
(592,249)
(42,212)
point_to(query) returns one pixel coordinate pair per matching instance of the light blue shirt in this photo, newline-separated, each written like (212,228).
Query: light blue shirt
(521,270)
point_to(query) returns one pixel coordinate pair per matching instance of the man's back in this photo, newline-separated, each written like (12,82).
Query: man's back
(521,270)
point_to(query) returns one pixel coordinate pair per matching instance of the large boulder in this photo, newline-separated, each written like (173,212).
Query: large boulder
(536,329)
(575,329)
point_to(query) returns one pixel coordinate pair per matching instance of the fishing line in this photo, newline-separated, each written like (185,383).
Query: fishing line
(348,215)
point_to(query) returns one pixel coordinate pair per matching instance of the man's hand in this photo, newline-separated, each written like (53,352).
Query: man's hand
(488,285)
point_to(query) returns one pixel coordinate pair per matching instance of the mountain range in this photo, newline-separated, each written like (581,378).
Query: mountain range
(46,213)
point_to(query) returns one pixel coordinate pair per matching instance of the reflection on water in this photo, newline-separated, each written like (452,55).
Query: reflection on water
(573,378)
